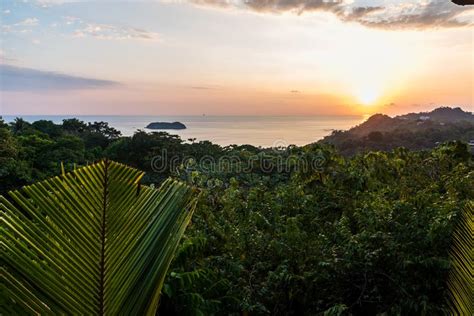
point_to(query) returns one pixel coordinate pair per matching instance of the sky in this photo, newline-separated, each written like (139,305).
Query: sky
(234,57)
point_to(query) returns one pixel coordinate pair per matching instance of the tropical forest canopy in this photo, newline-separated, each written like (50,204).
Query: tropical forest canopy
(360,225)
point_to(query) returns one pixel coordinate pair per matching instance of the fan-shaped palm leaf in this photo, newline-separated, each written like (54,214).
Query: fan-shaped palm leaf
(460,280)
(91,241)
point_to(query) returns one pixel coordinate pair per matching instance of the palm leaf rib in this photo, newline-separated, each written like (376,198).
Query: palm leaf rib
(90,242)
(103,227)
(461,276)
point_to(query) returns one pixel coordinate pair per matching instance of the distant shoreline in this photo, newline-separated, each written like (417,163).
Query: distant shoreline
(265,131)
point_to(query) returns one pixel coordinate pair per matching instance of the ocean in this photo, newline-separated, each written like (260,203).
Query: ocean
(265,131)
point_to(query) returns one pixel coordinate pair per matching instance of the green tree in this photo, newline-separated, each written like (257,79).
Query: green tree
(74,126)
(13,171)
(47,127)
(19,125)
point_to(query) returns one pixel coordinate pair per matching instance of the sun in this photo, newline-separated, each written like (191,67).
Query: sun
(367,96)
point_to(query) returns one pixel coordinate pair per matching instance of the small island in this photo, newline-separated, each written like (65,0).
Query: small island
(166,125)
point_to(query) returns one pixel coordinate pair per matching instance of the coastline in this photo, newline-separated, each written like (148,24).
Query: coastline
(265,131)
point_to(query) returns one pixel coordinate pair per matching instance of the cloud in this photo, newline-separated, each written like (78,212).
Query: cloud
(71,20)
(108,31)
(112,32)
(50,3)
(24,26)
(295,5)
(432,14)
(404,14)
(28,22)
(14,78)
(4,58)
(217,3)
(358,13)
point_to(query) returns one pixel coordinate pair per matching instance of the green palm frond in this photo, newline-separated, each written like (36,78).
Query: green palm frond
(92,241)
(460,279)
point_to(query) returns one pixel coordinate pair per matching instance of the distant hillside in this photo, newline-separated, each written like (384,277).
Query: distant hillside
(413,131)
(377,122)
(443,114)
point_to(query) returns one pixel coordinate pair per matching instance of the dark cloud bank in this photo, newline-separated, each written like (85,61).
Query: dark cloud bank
(411,14)
(14,78)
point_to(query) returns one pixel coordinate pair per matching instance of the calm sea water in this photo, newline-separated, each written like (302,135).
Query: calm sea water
(263,131)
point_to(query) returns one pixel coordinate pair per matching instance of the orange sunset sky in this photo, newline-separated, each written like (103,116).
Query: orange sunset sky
(234,57)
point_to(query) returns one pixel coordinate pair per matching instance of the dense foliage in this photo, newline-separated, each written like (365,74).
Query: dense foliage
(288,231)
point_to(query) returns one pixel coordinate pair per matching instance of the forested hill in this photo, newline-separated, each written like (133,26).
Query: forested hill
(442,114)
(413,131)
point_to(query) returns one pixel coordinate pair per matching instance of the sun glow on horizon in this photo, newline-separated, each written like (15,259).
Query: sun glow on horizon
(367,96)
